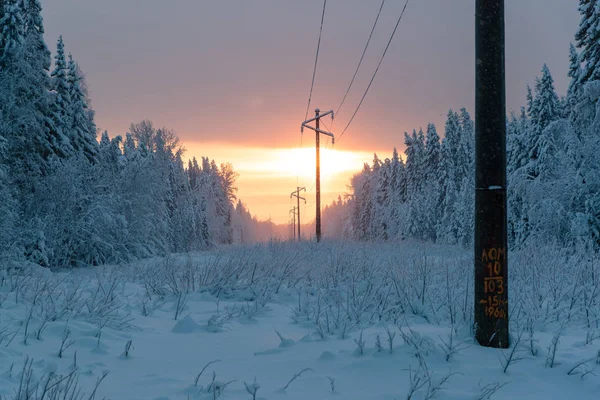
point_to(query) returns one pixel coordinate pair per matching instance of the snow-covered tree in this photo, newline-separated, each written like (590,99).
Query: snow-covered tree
(548,104)
(433,153)
(61,103)
(34,34)
(82,132)
(575,75)
(588,40)
(12,33)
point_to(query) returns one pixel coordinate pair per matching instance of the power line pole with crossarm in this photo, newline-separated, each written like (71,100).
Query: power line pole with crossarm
(318,133)
(296,193)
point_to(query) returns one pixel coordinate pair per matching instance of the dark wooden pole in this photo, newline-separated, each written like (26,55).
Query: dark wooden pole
(293,211)
(298,199)
(296,193)
(318,180)
(491,261)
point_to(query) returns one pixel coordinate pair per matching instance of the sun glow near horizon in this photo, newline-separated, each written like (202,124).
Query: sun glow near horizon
(301,162)
(268,175)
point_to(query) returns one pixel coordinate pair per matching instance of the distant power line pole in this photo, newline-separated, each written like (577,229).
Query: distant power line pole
(318,131)
(293,212)
(491,262)
(296,193)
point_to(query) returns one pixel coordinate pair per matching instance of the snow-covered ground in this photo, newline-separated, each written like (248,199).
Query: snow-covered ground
(290,320)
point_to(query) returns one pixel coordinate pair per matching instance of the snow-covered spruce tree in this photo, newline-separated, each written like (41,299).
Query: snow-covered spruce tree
(466,165)
(12,32)
(418,213)
(363,204)
(575,75)
(517,158)
(467,144)
(23,101)
(38,59)
(228,177)
(517,152)
(61,106)
(548,103)
(24,122)
(380,199)
(34,34)
(431,190)
(588,40)
(545,109)
(433,153)
(587,165)
(447,228)
(185,234)
(82,132)
(411,176)
(198,203)
(531,111)
(397,195)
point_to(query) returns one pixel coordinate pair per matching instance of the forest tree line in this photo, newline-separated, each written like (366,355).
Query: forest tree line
(68,199)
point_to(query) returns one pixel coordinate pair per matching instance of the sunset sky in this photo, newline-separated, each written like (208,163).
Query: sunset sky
(232,76)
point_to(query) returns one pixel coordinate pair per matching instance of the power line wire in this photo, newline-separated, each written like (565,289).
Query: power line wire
(376,70)
(313,81)
(316,60)
(361,58)
(328,130)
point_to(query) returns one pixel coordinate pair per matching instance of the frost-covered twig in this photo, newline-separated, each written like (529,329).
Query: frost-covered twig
(575,369)
(434,388)
(296,376)
(181,304)
(331,383)
(252,388)
(128,348)
(390,338)
(217,387)
(450,347)
(360,343)
(552,349)
(512,357)
(204,369)
(97,385)
(66,341)
(490,389)
(416,380)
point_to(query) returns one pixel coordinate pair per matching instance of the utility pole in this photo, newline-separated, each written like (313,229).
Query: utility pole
(293,212)
(296,193)
(491,262)
(318,132)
